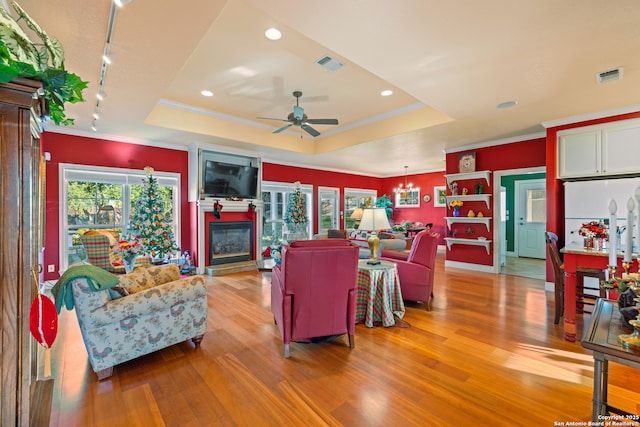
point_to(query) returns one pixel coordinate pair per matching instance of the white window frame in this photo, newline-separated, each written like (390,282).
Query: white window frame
(288,188)
(126,177)
(360,193)
(335,193)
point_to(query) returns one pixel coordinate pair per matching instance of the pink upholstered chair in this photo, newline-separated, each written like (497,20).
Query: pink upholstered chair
(416,270)
(313,290)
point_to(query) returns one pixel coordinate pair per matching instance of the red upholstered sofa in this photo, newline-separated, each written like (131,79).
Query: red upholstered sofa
(313,290)
(416,269)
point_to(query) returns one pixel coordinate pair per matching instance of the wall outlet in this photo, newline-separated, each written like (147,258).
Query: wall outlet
(51,268)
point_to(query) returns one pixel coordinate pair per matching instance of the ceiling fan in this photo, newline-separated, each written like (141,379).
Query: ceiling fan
(299,118)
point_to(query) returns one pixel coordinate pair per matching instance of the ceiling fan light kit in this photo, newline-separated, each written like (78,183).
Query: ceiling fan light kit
(299,119)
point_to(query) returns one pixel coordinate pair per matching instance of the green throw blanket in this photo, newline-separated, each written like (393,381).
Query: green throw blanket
(98,279)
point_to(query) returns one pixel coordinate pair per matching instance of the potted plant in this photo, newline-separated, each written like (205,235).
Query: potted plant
(43,61)
(385,202)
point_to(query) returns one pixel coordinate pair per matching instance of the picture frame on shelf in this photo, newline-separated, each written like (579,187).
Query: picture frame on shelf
(467,162)
(440,196)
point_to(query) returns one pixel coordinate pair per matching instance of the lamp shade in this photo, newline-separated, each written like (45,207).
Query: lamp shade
(356,214)
(374,219)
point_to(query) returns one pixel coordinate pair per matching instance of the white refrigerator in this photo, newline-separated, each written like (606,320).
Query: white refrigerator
(589,200)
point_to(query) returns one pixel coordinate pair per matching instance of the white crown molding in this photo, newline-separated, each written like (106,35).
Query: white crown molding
(502,141)
(114,138)
(591,116)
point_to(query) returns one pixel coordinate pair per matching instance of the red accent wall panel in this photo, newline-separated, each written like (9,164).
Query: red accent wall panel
(426,212)
(283,173)
(98,152)
(517,155)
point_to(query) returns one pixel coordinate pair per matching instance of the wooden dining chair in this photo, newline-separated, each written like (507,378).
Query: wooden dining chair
(581,273)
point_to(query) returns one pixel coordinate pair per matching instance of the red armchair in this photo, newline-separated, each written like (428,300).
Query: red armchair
(416,270)
(313,290)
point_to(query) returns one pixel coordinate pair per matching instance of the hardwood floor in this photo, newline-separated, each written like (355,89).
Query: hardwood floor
(487,355)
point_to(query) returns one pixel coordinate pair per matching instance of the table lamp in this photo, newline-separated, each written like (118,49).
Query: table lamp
(357,215)
(374,219)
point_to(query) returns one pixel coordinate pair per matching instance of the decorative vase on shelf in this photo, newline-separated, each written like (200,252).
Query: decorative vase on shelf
(129,264)
(456,212)
(588,243)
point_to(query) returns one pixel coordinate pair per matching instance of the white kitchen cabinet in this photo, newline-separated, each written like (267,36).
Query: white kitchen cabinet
(601,150)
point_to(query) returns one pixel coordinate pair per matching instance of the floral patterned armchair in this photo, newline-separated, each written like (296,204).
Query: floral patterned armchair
(152,308)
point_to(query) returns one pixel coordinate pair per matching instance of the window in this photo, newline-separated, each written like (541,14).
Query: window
(275,196)
(328,208)
(97,198)
(536,206)
(356,198)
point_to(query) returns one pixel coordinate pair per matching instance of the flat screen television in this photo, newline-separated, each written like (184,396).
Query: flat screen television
(229,180)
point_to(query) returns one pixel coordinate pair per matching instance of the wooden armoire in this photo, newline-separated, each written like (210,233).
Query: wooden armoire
(21,229)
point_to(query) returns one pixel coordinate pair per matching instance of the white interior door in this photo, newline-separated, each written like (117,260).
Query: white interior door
(328,209)
(531,218)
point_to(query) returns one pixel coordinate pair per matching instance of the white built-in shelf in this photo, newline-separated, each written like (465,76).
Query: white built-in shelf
(462,241)
(486,220)
(469,175)
(472,198)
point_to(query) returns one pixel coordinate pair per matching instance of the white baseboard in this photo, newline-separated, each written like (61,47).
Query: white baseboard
(469,266)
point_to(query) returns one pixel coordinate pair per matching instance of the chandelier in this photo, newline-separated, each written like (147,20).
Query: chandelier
(405,190)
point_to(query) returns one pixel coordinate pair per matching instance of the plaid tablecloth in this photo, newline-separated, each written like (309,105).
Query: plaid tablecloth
(379,296)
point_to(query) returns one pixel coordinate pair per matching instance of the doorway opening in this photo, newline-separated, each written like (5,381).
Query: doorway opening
(522,209)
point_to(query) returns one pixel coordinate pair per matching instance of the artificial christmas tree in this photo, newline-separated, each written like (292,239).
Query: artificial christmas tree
(295,217)
(148,225)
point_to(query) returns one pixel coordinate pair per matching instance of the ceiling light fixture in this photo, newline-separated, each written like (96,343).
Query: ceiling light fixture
(121,3)
(273,34)
(408,187)
(96,115)
(206,93)
(101,96)
(387,92)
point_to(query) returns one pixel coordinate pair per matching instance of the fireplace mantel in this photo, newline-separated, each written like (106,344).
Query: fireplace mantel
(206,205)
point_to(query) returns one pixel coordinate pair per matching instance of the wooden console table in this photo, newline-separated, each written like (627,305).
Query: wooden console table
(602,338)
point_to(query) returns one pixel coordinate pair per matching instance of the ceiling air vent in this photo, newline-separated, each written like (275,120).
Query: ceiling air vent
(609,75)
(330,63)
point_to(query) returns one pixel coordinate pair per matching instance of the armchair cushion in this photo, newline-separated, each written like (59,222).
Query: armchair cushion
(136,281)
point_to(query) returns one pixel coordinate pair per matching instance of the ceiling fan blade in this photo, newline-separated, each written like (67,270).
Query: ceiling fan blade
(322,121)
(298,112)
(311,131)
(269,118)
(282,128)
(314,98)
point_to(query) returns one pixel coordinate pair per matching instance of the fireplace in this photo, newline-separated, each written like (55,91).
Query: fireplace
(231,241)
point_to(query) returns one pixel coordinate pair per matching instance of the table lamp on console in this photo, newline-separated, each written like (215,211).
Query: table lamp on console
(374,219)
(357,216)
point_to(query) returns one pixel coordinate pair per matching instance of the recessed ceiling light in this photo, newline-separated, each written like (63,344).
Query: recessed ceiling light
(386,92)
(273,34)
(507,104)
(206,93)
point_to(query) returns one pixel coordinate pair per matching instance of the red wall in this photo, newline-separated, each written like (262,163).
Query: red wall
(426,212)
(518,155)
(98,152)
(282,173)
